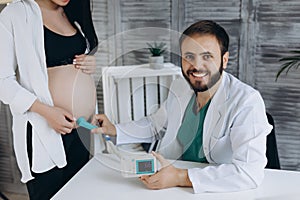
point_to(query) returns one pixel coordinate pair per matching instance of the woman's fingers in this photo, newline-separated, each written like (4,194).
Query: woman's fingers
(86,63)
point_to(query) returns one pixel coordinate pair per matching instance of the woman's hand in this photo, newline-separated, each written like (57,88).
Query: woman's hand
(59,119)
(106,127)
(167,177)
(86,63)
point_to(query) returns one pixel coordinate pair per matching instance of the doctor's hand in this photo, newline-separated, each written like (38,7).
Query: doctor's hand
(86,63)
(168,176)
(106,127)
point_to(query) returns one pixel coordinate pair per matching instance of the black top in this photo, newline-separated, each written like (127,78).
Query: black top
(80,11)
(60,49)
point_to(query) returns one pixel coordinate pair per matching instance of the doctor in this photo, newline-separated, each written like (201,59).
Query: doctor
(210,117)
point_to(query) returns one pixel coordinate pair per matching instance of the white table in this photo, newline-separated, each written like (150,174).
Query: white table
(101,179)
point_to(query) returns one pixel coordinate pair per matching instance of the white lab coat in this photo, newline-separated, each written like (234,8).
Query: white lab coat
(234,135)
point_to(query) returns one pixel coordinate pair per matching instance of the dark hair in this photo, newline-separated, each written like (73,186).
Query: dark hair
(80,11)
(210,28)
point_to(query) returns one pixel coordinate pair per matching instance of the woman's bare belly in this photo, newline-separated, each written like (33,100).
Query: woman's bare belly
(72,90)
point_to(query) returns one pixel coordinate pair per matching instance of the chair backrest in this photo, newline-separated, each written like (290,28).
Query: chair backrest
(272,152)
(132,92)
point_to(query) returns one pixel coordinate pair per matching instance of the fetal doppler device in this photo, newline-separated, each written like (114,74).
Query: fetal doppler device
(132,164)
(83,123)
(138,165)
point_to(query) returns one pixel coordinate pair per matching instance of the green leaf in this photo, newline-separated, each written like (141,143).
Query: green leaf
(295,51)
(293,58)
(156,49)
(283,67)
(289,62)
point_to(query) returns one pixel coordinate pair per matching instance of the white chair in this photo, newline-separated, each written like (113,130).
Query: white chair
(132,92)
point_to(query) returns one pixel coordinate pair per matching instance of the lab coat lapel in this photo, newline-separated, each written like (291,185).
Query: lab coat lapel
(169,146)
(183,95)
(212,124)
(184,100)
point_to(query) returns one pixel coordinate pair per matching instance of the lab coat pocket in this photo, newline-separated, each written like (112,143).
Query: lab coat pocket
(220,149)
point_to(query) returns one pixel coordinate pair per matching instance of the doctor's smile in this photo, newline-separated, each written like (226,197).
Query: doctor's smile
(197,74)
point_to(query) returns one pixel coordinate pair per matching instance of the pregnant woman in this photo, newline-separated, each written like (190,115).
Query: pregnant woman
(45,77)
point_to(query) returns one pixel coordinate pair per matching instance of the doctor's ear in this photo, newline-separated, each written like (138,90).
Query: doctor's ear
(225,59)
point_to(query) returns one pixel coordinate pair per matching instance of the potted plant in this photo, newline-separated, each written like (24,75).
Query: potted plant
(156,59)
(289,62)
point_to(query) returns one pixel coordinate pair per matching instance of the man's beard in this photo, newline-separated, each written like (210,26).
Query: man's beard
(213,79)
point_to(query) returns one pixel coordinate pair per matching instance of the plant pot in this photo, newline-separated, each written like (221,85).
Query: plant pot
(156,62)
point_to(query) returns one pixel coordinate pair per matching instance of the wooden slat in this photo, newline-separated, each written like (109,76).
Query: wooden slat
(124,100)
(151,95)
(6,175)
(278,11)
(131,71)
(216,10)
(110,97)
(138,98)
(164,85)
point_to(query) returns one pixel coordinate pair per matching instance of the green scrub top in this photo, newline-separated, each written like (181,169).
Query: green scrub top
(191,131)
